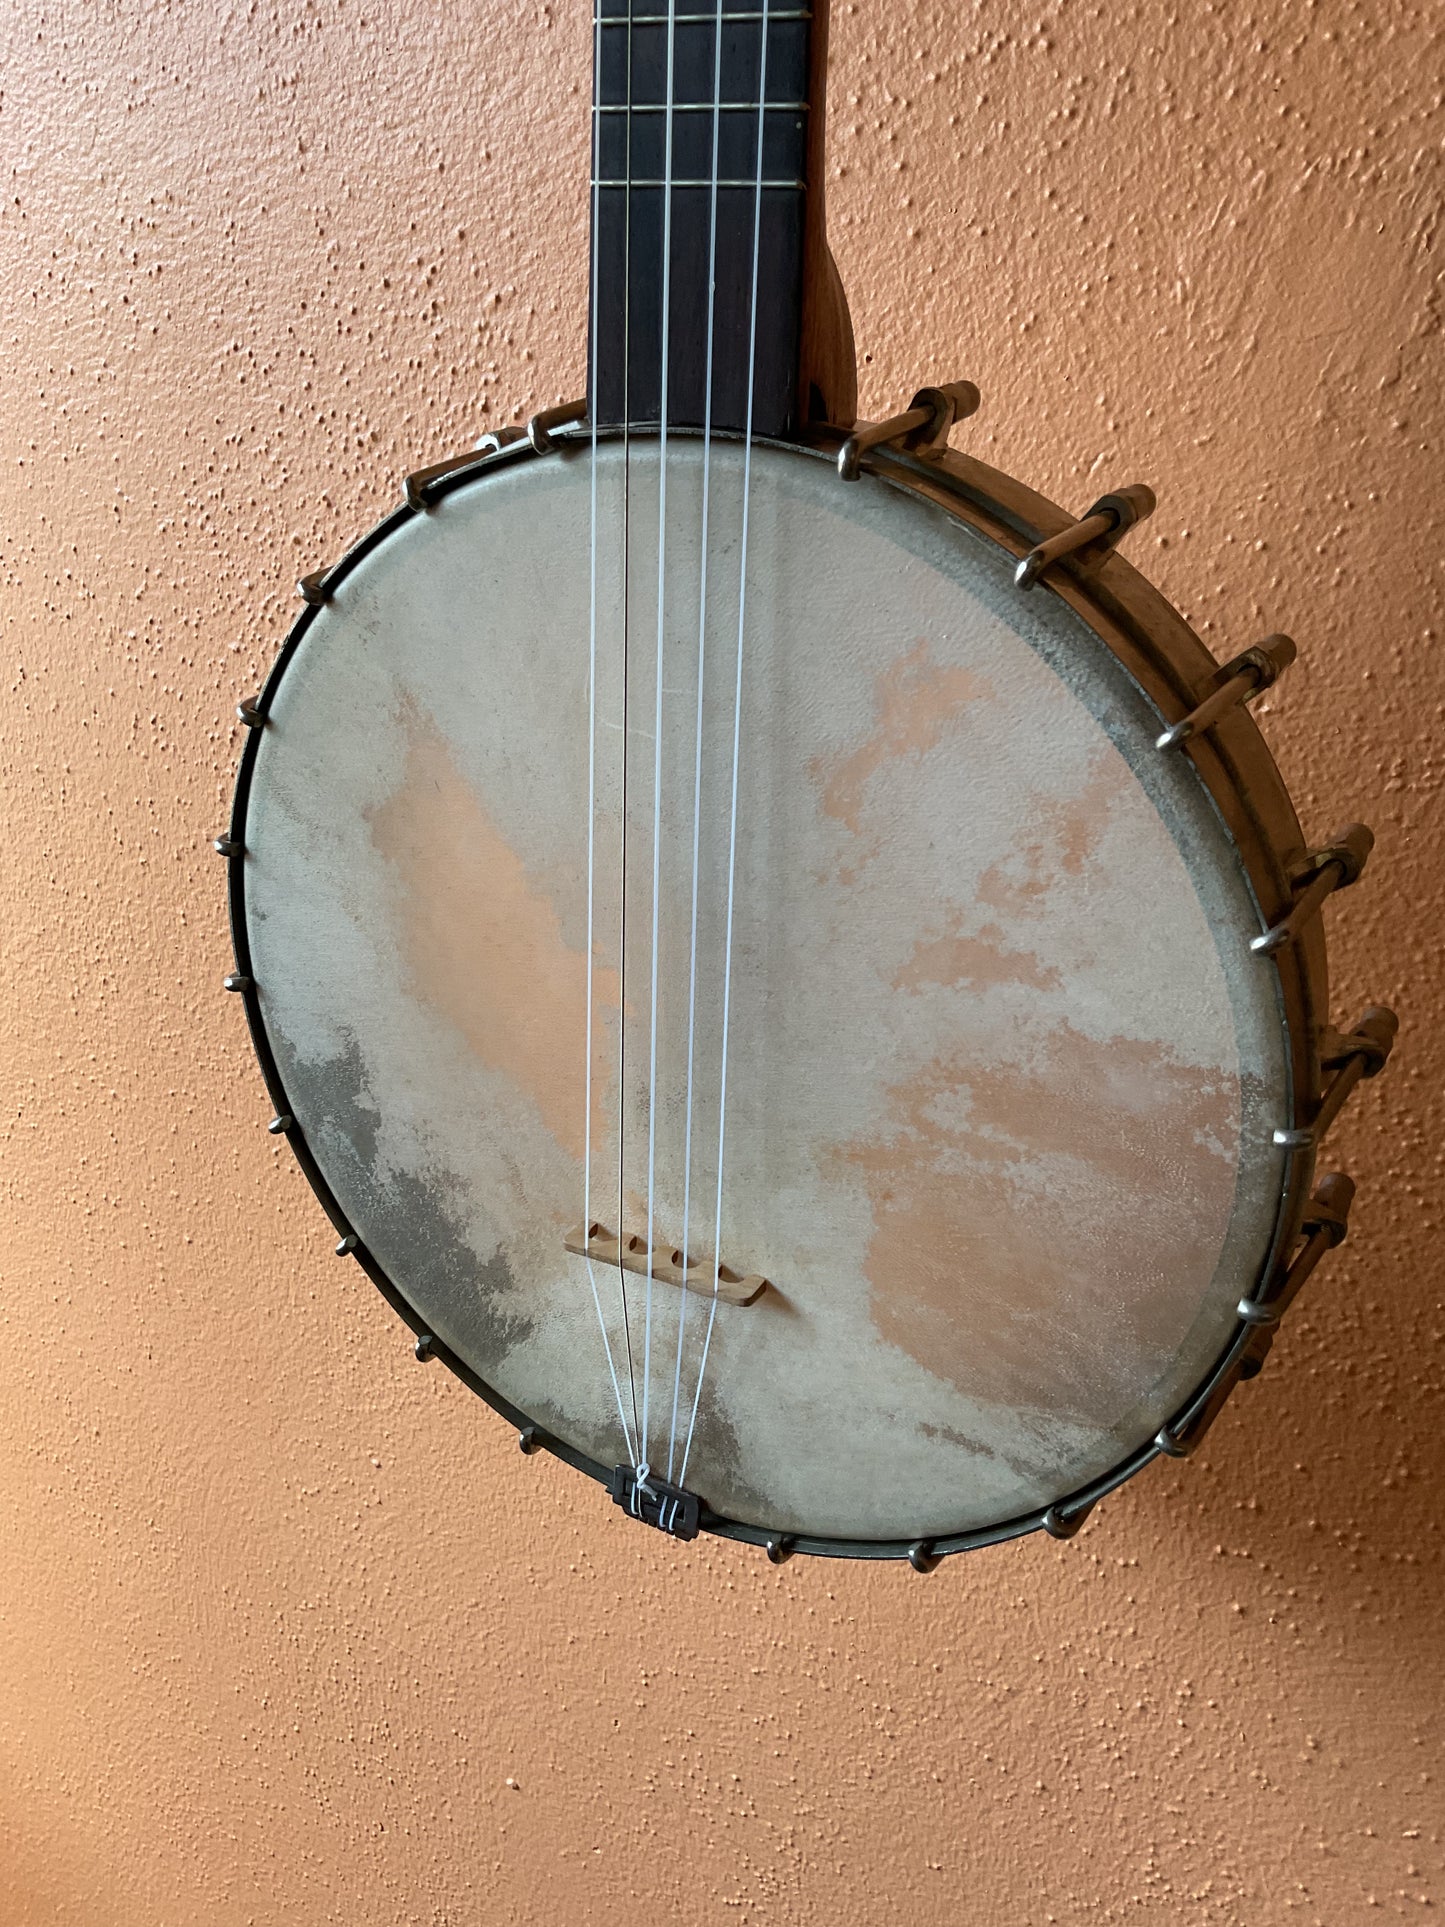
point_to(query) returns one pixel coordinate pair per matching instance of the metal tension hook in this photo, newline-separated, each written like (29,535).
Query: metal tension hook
(1326,1222)
(1362,1052)
(1339,863)
(922,428)
(541,425)
(1097,531)
(1239,681)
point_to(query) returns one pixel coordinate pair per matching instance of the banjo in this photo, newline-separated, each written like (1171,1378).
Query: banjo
(786,961)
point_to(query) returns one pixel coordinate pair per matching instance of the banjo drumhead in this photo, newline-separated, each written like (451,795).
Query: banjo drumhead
(1001,1072)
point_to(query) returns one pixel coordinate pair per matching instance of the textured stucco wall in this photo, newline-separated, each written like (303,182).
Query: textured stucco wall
(290,1633)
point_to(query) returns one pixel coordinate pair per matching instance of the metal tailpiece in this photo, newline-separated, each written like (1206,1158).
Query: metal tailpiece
(564,415)
(1339,863)
(1240,681)
(1326,1222)
(1362,1052)
(1092,537)
(922,428)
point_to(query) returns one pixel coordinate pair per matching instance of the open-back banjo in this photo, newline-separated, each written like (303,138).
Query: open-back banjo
(783,957)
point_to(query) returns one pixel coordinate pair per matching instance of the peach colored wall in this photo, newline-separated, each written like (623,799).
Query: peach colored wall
(290,1633)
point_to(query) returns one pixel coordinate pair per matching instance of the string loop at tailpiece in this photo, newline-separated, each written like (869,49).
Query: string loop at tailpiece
(655,1502)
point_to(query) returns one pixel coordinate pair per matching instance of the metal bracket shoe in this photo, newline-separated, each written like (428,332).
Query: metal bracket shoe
(922,429)
(1091,538)
(1334,867)
(1240,681)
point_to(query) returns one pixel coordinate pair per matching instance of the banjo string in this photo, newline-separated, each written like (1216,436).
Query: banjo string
(626,614)
(697,742)
(737,742)
(627,1434)
(657,726)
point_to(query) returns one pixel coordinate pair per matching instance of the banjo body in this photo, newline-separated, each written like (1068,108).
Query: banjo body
(872,948)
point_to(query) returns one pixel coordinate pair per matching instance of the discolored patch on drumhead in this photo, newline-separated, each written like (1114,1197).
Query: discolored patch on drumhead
(917,701)
(483,942)
(958,960)
(1016,1249)
(420,1217)
(1062,835)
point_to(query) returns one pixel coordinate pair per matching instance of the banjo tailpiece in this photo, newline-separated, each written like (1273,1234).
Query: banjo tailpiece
(644,1496)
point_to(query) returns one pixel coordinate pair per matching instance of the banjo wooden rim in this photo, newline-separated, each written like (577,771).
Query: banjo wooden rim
(1174,669)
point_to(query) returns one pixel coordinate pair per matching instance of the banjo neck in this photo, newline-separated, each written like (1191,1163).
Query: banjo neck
(694,214)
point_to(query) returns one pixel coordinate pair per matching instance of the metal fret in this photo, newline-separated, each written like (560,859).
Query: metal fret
(694,19)
(702,107)
(797,187)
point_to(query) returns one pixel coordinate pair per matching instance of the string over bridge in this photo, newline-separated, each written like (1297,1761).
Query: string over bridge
(669,1266)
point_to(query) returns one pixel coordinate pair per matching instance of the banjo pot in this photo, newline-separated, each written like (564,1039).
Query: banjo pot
(1019,1130)
(787,962)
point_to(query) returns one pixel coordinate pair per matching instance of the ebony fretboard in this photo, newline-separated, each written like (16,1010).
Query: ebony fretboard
(630,147)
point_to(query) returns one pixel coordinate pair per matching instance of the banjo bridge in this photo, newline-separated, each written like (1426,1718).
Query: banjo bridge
(666,1265)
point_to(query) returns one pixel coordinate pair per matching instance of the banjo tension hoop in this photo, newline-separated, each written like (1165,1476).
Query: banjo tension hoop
(1092,537)
(665,1265)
